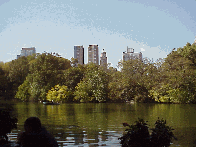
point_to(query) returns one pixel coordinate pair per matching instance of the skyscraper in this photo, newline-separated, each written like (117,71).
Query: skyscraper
(27,51)
(93,54)
(79,53)
(131,55)
(103,59)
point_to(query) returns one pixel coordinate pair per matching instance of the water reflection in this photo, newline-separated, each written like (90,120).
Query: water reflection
(101,124)
(75,136)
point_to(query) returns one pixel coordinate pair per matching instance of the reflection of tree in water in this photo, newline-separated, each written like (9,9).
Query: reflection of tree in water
(78,136)
(104,136)
(69,134)
(95,118)
(70,113)
(92,136)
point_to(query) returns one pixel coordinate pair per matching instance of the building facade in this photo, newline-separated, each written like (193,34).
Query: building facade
(27,51)
(130,54)
(103,59)
(79,53)
(93,54)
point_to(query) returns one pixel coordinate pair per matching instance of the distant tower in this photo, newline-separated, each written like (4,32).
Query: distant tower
(130,50)
(131,55)
(79,53)
(27,51)
(93,54)
(103,59)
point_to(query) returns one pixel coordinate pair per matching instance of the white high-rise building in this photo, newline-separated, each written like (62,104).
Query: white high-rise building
(27,51)
(131,55)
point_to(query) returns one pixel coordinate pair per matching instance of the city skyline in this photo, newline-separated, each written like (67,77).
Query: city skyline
(92,53)
(153,28)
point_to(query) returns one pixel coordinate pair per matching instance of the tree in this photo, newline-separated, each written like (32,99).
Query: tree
(16,72)
(23,92)
(74,62)
(3,83)
(73,76)
(116,86)
(177,77)
(94,86)
(134,78)
(58,93)
(45,71)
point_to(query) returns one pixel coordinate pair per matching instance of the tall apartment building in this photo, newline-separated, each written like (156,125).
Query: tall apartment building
(79,53)
(27,51)
(131,55)
(103,59)
(93,54)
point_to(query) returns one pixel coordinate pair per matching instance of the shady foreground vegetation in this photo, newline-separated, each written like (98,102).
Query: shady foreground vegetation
(48,76)
(138,135)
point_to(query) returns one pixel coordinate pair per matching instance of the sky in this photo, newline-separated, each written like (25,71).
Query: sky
(153,27)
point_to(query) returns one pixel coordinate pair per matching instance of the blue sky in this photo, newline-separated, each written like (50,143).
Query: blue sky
(153,27)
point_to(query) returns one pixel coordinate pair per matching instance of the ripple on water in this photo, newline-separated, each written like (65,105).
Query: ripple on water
(70,136)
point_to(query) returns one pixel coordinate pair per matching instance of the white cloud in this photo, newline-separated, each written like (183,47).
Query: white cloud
(142,50)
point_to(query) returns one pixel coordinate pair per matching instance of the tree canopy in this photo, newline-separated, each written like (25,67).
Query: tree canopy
(171,80)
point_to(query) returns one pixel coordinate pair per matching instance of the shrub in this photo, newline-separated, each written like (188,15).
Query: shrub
(7,123)
(161,135)
(138,135)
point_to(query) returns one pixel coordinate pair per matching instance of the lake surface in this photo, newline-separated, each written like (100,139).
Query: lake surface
(101,124)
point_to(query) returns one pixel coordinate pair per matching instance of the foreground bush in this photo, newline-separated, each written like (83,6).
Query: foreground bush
(138,135)
(7,123)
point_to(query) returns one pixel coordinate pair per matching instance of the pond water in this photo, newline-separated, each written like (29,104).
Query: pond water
(101,124)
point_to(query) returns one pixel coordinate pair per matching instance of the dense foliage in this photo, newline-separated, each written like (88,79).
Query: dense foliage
(171,80)
(138,135)
(94,85)
(45,71)
(58,93)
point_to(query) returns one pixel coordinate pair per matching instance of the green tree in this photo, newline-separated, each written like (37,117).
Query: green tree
(134,77)
(45,71)
(23,92)
(94,86)
(58,94)
(16,72)
(3,83)
(177,77)
(116,86)
(73,76)
(74,62)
